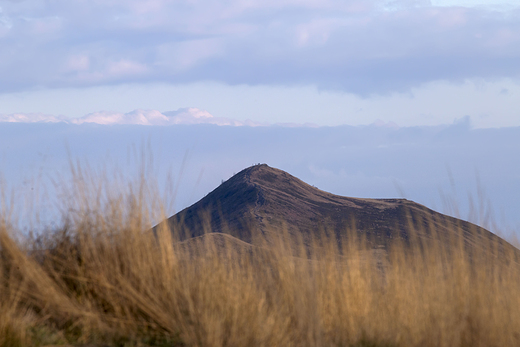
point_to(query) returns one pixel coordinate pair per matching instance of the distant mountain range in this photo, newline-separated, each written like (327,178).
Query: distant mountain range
(264,199)
(182,116)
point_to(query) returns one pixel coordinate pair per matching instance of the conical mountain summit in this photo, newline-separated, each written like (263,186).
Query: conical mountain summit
(264,199)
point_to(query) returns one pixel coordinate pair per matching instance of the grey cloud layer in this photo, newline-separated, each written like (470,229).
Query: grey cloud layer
(356,46)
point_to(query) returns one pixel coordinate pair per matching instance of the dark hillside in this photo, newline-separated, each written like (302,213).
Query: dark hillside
(264,199)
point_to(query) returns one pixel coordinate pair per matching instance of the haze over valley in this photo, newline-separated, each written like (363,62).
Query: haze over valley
(443,167)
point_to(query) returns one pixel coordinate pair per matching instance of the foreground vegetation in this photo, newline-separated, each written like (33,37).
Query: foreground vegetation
(102,278)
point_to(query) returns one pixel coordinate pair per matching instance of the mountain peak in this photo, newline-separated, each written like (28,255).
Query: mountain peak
(265,199)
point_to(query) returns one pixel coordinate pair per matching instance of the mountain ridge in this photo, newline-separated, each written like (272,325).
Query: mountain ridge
(265,199)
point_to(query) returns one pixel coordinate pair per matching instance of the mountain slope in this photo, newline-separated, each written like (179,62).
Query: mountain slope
(265,199)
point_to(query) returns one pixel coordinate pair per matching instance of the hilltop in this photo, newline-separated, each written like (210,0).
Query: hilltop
(265,199)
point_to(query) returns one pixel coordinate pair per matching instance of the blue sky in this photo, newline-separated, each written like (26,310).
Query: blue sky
(443,167)
(328,62)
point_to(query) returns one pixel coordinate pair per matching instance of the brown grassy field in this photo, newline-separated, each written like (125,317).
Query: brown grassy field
(101,278)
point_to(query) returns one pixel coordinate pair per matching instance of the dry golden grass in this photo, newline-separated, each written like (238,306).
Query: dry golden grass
(102,278)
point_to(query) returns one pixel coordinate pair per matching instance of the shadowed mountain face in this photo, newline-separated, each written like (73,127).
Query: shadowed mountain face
(265,199)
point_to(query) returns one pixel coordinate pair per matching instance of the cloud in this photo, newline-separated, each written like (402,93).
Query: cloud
(357,46)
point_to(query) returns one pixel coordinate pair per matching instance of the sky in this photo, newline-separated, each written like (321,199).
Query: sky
(448,168)
(325,62)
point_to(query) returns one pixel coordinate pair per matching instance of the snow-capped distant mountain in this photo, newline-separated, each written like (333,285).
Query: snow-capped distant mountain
(31,118)
(189,115)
